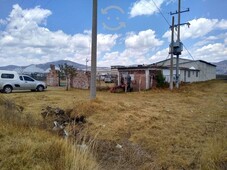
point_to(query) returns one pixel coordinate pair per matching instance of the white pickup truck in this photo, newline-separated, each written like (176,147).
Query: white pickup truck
(11,80)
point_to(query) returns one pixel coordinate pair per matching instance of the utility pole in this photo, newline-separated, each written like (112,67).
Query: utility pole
(86,63)
(94,51)
(178,40)
(178,46)
(171,60)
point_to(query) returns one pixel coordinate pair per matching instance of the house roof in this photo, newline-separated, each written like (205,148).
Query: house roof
(207,63)
(187,61)
(152,67)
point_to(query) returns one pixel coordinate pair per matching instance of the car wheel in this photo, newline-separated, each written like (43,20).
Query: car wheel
(7,89)
(40,88)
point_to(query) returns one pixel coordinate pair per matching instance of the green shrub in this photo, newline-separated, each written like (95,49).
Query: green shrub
(160,80)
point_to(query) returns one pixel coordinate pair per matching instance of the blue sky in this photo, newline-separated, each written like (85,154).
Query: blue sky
(129,31)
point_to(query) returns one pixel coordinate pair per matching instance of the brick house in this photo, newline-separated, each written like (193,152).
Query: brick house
(142,77)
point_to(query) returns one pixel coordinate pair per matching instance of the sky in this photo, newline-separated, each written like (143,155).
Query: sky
(129,31)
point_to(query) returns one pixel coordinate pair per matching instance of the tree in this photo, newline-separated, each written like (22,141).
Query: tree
(69,71)
(160,79)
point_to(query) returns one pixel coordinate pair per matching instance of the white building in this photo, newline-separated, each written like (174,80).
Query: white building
(144,76)
(190,70)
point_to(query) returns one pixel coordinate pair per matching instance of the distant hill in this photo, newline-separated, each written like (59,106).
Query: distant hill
(61,62)
(11,67)
(45,66)
(221,67)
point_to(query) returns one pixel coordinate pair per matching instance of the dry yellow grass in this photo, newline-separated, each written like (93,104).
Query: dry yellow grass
(25,146)
(158,129)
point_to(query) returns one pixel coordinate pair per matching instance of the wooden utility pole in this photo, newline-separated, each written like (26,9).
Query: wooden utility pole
(94,51)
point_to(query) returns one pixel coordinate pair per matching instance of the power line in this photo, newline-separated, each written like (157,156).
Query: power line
(160,12)
(188,52)
(169,25)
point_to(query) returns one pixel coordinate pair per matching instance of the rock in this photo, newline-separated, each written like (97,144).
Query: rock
(119,146)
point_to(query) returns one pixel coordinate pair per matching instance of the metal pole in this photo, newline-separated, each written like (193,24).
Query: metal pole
(178,40)
(94,51)
(171,60)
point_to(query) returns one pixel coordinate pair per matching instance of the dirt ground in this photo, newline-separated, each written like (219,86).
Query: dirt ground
(155,129)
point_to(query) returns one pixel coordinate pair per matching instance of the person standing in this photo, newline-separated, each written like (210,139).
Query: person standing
(128,83)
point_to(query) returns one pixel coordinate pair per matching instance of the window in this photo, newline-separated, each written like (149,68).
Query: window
(7,76)
(197,73)
(28,78)
(21,78)
(189,73)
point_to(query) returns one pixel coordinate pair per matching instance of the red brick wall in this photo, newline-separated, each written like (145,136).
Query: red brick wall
(81,80)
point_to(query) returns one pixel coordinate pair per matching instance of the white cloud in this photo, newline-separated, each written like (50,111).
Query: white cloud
(3,22)
(222,24)
(160,55)
(211,52)
(26,40)
(225,41)
(127,57)
(106,41)
(145,7)
(29,18)
(211,40)
(143,41)
(137,48)
(199,28)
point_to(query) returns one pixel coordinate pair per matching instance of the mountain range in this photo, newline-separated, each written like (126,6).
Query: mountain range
(45,66)
(221,68)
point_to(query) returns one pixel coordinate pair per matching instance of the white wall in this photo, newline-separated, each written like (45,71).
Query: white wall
(206,71)
(184,76)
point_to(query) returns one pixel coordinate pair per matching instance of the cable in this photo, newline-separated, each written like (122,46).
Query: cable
(160,11)
(157,8)
(183,45)
(165,60)
(188,52)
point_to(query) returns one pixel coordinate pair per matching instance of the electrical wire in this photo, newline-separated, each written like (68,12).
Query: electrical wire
(169,26)
(188,52)
(160,12)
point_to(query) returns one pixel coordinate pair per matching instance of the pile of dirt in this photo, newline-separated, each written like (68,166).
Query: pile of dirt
(64,122)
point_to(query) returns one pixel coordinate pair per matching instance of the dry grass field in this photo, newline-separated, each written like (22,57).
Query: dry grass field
(155,129)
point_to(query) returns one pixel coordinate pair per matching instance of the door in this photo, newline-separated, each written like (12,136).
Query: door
(28,83)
